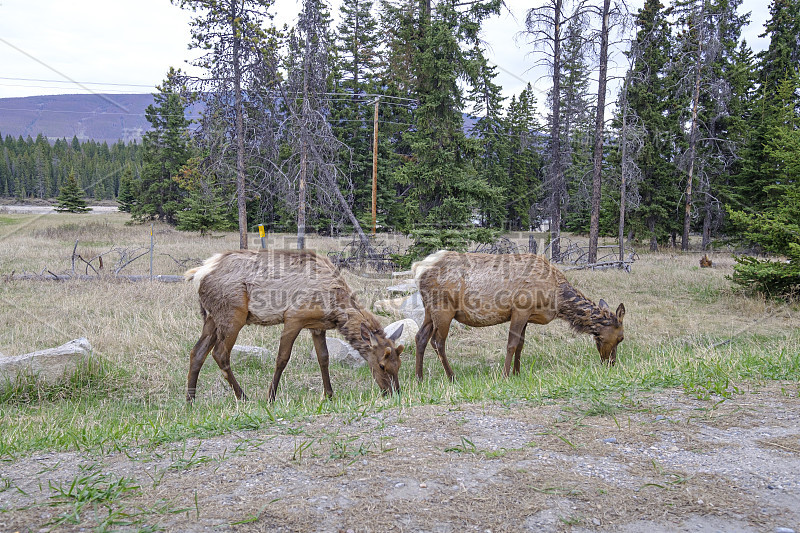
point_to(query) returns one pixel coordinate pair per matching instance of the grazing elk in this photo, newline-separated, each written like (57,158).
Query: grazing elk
(297,289)
(484,290)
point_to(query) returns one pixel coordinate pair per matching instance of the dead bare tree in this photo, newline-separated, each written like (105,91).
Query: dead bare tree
(631,141)
(313,163)
(710,37)
(235,46)
(599,127)
(545,28)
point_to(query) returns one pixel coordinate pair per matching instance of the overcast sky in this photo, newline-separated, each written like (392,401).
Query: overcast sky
(127,46)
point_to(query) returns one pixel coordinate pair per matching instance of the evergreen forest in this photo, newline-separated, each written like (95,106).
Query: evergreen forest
(696,138)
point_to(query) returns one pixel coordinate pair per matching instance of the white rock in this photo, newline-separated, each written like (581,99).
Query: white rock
(407,337)
(49,366)
(341,352)
(390,306)
(412,308)
(408,286)
(244,352)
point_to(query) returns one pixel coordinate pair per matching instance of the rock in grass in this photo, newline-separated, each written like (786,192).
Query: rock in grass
(409,286)
(50,366)
(410,329)
(255,353)
(340,351)
(412,308)
(390,306)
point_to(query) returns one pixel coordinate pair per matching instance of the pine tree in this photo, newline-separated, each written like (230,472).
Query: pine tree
(445,190)
(495,145)
(166,148)
(352,116)
(650,99)
(206,207)
(725,94)
(545,27)
(755,184)
(71,199)
(444,187)
(525,164)
(576,124)
(128,191)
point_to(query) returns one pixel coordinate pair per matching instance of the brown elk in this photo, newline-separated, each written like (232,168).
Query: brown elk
(297,289)
(485,289)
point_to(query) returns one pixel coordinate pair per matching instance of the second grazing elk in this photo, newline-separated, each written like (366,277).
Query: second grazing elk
(487,289)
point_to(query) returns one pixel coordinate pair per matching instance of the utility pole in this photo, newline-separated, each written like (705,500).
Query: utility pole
(375,168)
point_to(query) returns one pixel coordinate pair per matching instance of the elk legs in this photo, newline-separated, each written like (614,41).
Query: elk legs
(288,336)
(198,356)
(516,340)
(441,328)
(422,338)
(321,347)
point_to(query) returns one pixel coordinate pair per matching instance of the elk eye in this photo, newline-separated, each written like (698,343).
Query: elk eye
(383,367)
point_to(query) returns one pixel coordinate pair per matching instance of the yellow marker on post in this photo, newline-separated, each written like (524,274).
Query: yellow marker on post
(262,235)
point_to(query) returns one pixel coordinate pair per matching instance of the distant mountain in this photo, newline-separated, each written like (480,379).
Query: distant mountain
(100,117)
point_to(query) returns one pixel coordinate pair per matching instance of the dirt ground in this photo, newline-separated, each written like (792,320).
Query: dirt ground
(657,462)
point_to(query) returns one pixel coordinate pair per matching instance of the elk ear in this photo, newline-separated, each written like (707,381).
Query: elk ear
(399,349)
(620,312)
(603,304)
(396,335)
(368,336)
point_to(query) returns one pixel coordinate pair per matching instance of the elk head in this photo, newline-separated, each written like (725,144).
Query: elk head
(610,333)
(384,358)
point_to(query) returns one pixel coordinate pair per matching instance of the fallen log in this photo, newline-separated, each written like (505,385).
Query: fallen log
(626,264)
(50,276)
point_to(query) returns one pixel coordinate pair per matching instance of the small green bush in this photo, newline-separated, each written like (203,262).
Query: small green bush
(778,232)
(428,241)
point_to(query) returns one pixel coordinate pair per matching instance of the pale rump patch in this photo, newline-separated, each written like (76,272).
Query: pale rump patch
(197,274)
(419,268)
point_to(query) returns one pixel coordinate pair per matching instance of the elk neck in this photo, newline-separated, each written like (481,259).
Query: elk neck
(349,321)
(583,315)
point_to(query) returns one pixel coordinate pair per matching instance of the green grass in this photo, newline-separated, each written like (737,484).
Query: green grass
(96,413)
(685,329)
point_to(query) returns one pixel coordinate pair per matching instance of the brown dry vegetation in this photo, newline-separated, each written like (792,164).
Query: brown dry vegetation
(694,422)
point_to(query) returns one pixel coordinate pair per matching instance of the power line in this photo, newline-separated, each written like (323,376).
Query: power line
(89,91)
(93,113)
(73,82)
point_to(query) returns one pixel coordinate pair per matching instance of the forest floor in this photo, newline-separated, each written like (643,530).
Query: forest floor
(660,461)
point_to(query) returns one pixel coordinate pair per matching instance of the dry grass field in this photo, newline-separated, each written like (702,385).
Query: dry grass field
(689,338)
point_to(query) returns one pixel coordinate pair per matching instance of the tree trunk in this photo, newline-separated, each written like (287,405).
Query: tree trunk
(687,218)
(594,221)
(301,197)
(556,172)
(238,113)
(375,168)
(623,183)
(707,222)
